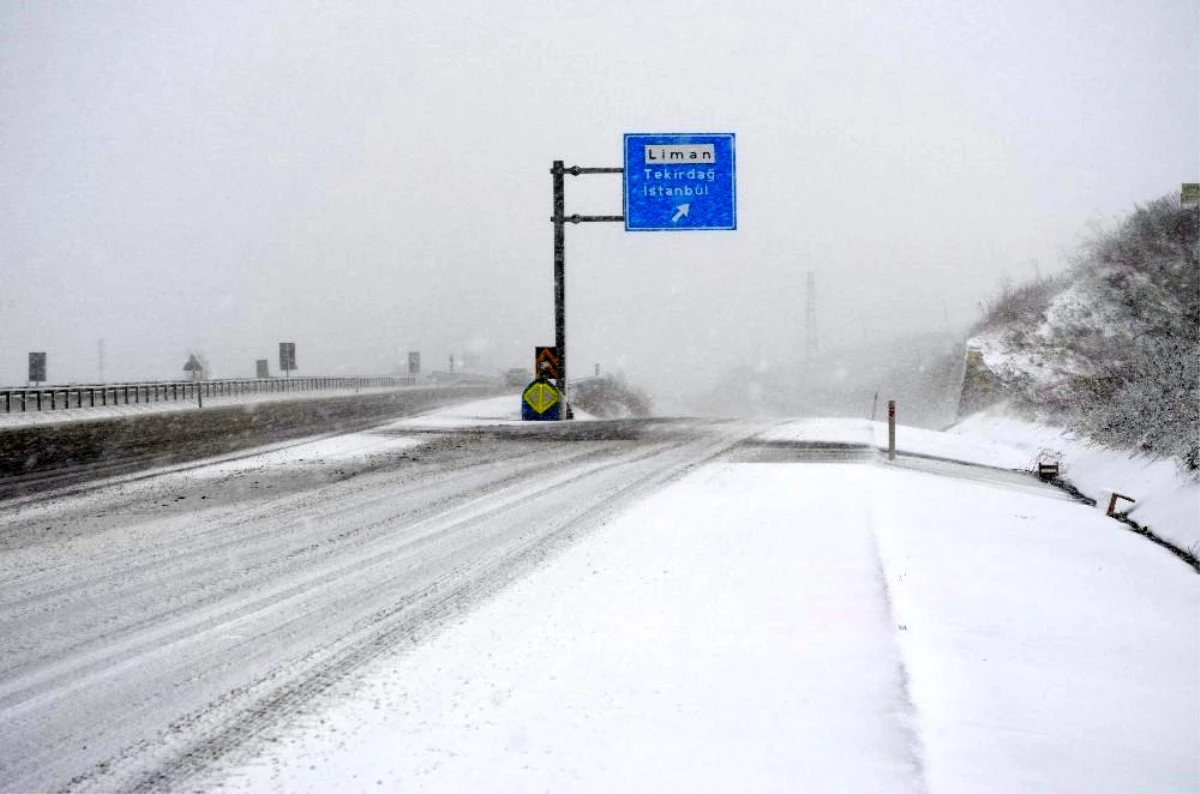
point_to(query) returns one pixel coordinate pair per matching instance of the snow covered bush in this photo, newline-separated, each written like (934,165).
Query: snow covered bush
(1151,406)
(1111,349)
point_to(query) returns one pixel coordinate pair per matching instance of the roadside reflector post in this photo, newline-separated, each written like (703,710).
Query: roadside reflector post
(1112,503)
(891,429)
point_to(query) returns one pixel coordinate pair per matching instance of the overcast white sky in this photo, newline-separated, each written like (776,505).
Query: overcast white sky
(368,178)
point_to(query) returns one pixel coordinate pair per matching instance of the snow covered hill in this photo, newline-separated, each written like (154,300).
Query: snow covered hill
(1111,349)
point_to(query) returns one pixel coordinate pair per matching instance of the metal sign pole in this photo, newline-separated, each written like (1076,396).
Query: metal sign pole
(560,220)
(560,285)
(697,192)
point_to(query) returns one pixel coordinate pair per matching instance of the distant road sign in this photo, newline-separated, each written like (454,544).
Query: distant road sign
(545,362)
(676,182)
(414,363)
(540,400)
(1190,193)
(262,369)
(37,368)
(287,356)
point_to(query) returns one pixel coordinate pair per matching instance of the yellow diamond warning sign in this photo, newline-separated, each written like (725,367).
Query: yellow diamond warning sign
(541,396)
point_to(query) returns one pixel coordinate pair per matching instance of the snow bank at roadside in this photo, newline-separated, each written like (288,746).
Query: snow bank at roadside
(978,449)
(1168,502)
(1047,648)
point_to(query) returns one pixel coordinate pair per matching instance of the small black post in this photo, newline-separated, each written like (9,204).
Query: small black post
(891,429)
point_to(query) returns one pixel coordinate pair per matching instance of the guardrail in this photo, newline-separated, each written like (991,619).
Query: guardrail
(56,398)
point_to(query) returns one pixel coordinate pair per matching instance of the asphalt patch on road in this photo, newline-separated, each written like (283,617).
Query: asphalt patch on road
(759,451)
(646,429)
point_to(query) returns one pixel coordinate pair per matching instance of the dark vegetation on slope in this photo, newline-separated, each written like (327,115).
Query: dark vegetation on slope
(609,398)
(1115,341)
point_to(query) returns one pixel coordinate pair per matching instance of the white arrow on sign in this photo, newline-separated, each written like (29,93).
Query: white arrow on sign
(681,212)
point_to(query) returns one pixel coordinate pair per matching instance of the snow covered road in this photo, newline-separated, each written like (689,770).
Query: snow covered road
(456,604)
(790,627)
(150,624)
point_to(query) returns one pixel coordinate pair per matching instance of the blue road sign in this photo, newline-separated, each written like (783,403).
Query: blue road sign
(679,182)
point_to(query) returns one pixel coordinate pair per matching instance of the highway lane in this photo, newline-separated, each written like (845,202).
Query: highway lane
(154,623)
(39,457)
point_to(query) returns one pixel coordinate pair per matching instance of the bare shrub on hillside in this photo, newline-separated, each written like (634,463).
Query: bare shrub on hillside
(1021,303)
(1150,268)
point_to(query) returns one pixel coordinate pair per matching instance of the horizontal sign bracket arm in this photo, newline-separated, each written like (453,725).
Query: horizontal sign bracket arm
(576,170)
(589,219)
